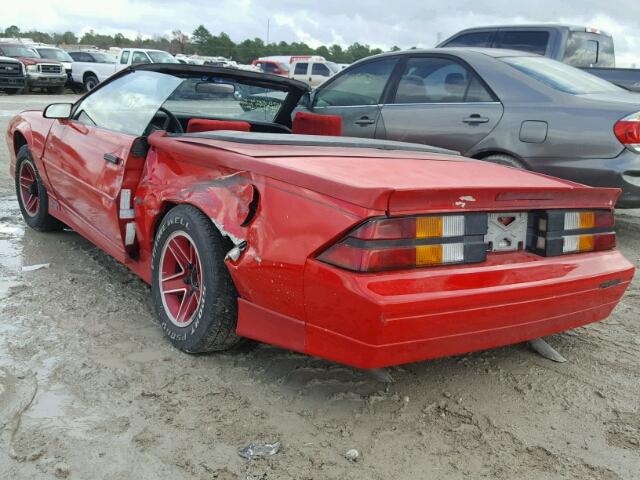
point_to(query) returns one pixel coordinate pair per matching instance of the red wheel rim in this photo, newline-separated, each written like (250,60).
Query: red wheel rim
(180,279)
(29,189)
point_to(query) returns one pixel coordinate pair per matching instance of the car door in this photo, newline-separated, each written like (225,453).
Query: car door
(319,74)
(439,101)
(86,156)
(355,95)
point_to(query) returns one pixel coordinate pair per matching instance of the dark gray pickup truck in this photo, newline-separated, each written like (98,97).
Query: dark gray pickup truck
(587,48)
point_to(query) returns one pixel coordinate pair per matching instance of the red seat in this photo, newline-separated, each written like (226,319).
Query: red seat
(306,123)
(206,125)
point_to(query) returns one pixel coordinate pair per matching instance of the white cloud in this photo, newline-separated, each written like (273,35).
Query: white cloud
(380,23)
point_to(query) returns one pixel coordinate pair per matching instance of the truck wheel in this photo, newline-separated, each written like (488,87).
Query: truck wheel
(507,160)
(32,195)
(12,91)
(90,82)
(59,90)
(26,90)
(192,292)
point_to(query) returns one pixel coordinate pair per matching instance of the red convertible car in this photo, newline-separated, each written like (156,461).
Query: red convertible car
(248,223)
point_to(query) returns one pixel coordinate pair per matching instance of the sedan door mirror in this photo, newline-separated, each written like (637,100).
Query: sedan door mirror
(61,111)
(306,100)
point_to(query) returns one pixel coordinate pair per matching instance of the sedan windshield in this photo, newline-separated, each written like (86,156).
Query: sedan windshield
(560,76)
(161,57)
(18,51)
(54,54)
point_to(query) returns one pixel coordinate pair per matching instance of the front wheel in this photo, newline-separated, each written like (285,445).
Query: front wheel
(192,292)
(32,195)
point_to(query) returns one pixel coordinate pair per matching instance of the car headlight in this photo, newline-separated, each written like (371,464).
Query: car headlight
(32,68)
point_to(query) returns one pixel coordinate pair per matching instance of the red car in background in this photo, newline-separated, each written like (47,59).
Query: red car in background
(369,253)
(274,67)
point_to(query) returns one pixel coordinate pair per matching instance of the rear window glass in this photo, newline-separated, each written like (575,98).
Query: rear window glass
(560,76)
(527,41)
(473,39)
(586,49)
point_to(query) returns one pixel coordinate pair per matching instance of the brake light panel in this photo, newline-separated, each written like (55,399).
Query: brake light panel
(394,243)
(559,232)
(408,242)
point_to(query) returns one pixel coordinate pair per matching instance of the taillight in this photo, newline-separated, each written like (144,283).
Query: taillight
(410,242)
(558,232)
(627,131)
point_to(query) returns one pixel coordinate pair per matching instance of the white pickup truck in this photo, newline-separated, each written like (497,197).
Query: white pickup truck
(313,70)
(91,68)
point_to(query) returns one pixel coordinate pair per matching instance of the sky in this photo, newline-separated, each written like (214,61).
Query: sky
(378,23)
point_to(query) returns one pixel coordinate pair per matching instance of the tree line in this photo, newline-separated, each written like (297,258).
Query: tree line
(200,42)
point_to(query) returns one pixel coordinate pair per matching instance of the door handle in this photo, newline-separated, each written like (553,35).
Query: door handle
(362,121)
(111,158)
(475,118)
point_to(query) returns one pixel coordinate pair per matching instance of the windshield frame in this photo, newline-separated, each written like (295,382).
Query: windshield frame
(559,76)
(293,89)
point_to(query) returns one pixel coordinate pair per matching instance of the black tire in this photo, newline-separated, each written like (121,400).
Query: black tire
(26,90)
(90,82)
(212,326)
(59,90)
(39,220)
(12,91)
(506,160)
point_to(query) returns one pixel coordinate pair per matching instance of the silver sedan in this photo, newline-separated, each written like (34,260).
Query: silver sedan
(502,106)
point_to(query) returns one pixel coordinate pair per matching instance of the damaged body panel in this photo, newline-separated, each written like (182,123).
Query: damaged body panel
(364,252)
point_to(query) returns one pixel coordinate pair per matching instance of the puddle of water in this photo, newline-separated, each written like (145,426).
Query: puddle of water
(49,404)
(11,234)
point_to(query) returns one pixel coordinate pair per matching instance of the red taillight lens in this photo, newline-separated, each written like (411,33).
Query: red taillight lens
(410,242)
(627,131)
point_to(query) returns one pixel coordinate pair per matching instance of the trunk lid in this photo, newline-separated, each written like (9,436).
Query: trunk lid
(395,181)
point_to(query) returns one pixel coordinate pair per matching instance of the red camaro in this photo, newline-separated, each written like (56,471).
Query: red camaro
(365,252)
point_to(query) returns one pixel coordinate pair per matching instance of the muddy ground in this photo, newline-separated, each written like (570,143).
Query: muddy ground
(89,388)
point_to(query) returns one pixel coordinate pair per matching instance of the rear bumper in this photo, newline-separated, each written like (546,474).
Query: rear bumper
(621,172)
(372,321)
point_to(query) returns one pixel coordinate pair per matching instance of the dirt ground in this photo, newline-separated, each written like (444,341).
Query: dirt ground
(90,389)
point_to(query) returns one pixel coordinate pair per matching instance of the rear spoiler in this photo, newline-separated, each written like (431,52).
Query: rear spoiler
(490,199)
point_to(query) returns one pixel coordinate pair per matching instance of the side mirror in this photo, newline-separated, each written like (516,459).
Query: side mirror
(61,111)
(306,100)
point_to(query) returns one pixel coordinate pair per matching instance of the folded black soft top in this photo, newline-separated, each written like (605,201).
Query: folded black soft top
(258,138)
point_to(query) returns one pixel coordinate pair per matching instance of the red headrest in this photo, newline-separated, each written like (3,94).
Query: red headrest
(306,123)
(206,125)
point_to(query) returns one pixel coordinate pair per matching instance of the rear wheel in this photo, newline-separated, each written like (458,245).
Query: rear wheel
(90,82)
(32,195)
(26,90)
(507,160)
(192,292)
(12,91)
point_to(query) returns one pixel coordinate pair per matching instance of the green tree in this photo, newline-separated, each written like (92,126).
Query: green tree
(12,32)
